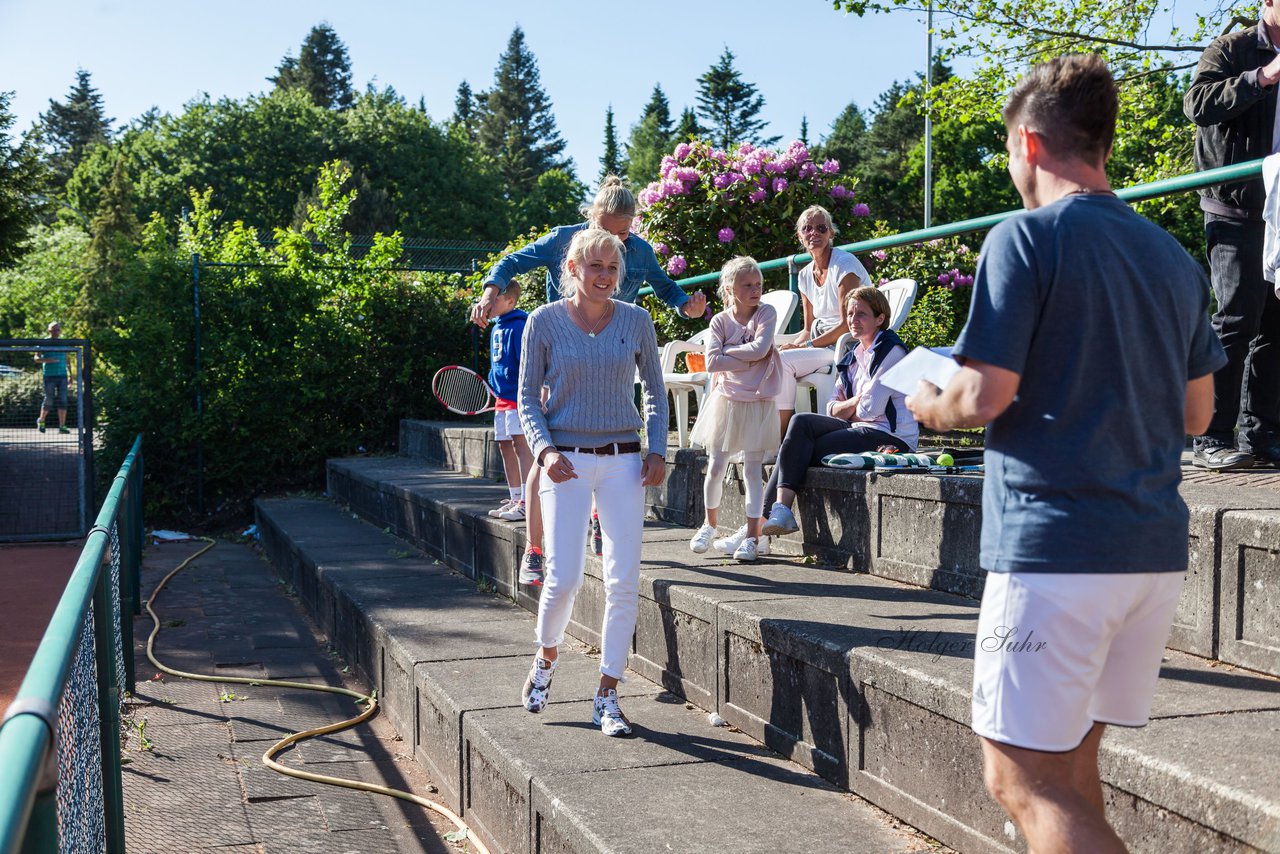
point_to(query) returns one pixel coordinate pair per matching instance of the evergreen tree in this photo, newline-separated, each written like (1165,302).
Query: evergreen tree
(650,139)
(466,116)
(688,127)
(804,130)
(847,140)
(517,127)
(322,70)
(20,181)
(731,105)
(70,130)
(610,161)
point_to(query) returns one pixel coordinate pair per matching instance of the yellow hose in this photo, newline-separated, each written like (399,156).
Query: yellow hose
(268,758)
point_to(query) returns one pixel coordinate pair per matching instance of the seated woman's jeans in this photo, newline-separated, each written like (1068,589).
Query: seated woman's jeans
(810,437)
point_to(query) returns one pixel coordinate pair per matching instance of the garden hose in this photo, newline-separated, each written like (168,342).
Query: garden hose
(268,758)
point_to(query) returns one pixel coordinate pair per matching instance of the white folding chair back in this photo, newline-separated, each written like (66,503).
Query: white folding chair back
(901,294)
(784,302)
(822,381)
(683,385)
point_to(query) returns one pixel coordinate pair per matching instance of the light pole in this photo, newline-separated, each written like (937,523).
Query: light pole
(928,118)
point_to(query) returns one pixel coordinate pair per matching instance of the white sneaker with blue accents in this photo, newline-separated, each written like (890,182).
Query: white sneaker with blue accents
(537,687)
(607,714)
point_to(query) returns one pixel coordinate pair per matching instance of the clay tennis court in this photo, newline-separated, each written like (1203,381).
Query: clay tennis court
(32,579)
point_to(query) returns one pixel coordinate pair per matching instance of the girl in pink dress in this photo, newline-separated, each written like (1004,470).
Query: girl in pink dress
(740,415)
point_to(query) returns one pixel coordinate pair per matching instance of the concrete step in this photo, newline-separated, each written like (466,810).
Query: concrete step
(448,661)
(866,680)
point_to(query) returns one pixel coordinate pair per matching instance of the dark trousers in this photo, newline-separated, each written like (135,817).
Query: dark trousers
(1246,393)
(810,437)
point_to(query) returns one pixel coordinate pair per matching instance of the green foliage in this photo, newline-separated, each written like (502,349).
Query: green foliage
(70,130)
(650,139)
(307,352)
(845,144)
(20,395)
(1140,42)
(261,154)
(731,106)
(555,199)
(21,178)
(610,161)
(43,285)
(943,271)
(517,128)
(322,70)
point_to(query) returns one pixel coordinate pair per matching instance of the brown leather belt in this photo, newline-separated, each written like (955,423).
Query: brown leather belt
(605,450)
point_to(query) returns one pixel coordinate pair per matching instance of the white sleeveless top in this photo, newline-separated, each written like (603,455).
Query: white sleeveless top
(825,298)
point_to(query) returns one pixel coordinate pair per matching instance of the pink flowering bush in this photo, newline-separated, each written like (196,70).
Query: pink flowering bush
(709,205)
(943,270)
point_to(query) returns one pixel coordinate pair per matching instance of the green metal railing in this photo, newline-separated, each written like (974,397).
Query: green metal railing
(51,754)
(1140,192)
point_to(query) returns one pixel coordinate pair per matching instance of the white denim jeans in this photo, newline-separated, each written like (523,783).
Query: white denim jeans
(614,482)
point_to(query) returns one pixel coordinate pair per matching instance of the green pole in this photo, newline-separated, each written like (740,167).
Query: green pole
(108,714)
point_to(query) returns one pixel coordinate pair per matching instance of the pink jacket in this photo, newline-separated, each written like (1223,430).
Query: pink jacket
(743,358)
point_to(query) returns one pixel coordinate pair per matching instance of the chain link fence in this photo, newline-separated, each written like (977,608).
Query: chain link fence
(46,442)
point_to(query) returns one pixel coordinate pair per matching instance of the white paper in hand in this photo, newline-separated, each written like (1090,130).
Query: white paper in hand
(922,363)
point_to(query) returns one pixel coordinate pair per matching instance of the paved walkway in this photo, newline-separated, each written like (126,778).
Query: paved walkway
(201,783)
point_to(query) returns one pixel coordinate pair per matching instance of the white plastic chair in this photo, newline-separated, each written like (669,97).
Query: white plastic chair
(683,385)
(901,294)
(823,380)
(784,303)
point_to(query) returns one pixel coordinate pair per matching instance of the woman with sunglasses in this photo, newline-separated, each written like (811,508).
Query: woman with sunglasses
(825,284)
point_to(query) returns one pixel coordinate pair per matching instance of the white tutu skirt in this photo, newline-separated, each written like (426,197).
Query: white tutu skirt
(736,425)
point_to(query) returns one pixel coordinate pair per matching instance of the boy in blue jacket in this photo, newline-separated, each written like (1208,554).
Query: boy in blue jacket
(504,379)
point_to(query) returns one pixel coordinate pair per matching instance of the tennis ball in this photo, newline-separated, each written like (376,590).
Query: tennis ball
(946,460)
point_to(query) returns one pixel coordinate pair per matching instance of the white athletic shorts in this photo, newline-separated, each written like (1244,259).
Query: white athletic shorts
(506,423)
(1057,652)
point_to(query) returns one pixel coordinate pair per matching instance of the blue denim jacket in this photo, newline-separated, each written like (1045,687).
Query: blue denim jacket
(549,251)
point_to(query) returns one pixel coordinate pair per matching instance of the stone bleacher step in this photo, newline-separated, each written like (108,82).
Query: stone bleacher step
(448,661)
(866,680)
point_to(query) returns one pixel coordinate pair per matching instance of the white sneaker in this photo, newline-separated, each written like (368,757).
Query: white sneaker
(502,508)
(728,545)
(702,539)
(607,714)
(762,546)
(537,687)
(746,551)
(513,513)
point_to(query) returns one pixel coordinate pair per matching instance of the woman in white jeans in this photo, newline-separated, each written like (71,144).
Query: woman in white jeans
(586,349)
(825,284)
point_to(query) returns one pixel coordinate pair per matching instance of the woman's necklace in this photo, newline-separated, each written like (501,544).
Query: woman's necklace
(603,322)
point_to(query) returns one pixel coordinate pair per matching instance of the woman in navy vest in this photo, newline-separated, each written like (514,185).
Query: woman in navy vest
(863,414)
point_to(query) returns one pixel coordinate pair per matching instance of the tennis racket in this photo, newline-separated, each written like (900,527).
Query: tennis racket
(463,391)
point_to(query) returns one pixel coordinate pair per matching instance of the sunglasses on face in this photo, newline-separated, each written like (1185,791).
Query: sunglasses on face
(821,228)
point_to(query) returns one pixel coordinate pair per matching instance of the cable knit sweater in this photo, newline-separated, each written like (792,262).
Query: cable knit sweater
(591,380)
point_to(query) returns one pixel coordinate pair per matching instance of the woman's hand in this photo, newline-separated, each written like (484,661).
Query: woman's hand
(794,345)
(557,466)
(696,307)
(483,308)
(653,470)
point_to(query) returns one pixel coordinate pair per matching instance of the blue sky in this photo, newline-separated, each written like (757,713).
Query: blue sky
(806,60)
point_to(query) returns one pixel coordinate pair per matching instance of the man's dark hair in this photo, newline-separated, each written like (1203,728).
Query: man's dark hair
(1071,102)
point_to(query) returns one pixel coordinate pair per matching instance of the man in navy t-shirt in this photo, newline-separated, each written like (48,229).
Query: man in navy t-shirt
(1089,354)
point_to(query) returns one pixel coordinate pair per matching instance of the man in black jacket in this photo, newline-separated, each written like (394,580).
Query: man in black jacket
(1232,101)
